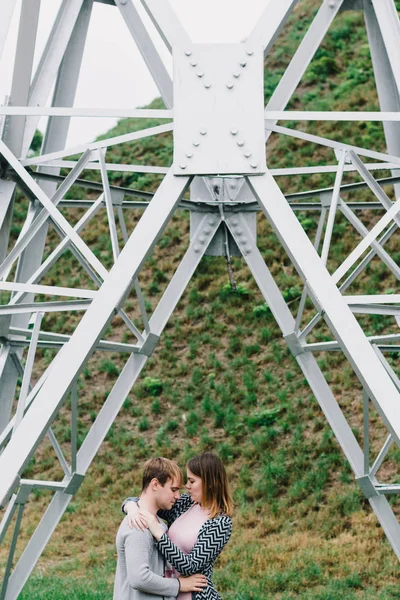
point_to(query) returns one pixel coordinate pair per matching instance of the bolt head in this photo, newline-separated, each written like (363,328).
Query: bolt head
(229,85)
(236,74)
(243,63)
(207,85)
(247,251)
(197,249)
(202,240)
(189,154)
(254,165)
(188,52)
(193,63)
(235,222)
(247,154)
(207,231)
(211,222)
(240,143)
(196,143)
(200,73)
(234,131)
(182,165)
(203,131)
(249,52)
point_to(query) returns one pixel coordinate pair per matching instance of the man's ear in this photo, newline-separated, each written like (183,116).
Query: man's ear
(154,484)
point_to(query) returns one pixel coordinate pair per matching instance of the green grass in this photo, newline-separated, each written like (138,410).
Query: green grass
(223,379)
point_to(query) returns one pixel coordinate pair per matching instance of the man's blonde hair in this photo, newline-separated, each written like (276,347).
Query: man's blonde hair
(162,469)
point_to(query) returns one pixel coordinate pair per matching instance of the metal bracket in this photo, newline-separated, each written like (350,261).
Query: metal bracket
(149,344)
(294,344)
(74,484)
(367,487)
(23,493)
(5,500)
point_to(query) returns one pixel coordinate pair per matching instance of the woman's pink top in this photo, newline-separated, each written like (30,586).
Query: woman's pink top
(183,533)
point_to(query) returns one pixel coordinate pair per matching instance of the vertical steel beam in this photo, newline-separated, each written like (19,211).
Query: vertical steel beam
(388,91)
(55,138)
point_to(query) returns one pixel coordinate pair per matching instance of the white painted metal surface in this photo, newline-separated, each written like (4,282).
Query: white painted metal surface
(215,110)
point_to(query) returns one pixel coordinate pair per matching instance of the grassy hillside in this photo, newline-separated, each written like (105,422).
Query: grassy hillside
(223,379)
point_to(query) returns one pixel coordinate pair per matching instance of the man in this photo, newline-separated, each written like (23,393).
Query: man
(140,566)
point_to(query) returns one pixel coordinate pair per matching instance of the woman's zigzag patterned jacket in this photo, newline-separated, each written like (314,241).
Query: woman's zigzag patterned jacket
(212,538)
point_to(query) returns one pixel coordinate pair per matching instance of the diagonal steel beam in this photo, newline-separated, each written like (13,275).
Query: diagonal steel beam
(74,354)
(302,58)
(270,24)
(147,49)
(205,232)
(167,23)
(325,294)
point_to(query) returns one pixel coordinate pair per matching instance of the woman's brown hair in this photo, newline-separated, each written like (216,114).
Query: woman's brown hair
(215,495)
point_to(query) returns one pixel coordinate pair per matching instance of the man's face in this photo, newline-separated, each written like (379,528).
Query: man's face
(167,495)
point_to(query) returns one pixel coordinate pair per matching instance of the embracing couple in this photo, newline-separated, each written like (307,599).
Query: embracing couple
(157,563)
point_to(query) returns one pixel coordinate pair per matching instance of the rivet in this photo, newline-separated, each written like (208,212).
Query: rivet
(234,131)
(249,52)
(189,154)
(207,85)
(240,142)
(247,154)
(207,231)
(193,63)
(196,143)
(183,165)
(243,63)
(244,242)
(202,240)
(236,74)
(239,233)
(197,249)
(211,222)
(235,222)
(188,52)
(229,85)
(254,165)
(203,131)
(123,2)
(200,73)
(248,251)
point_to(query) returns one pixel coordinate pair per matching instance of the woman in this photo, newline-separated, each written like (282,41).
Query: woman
(199,523)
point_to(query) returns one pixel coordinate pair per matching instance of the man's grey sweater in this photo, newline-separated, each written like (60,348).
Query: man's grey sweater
(140,568)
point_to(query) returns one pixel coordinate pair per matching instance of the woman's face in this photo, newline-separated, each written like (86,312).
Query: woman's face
(194,486)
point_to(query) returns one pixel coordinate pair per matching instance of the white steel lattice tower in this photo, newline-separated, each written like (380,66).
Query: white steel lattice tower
(214,106)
